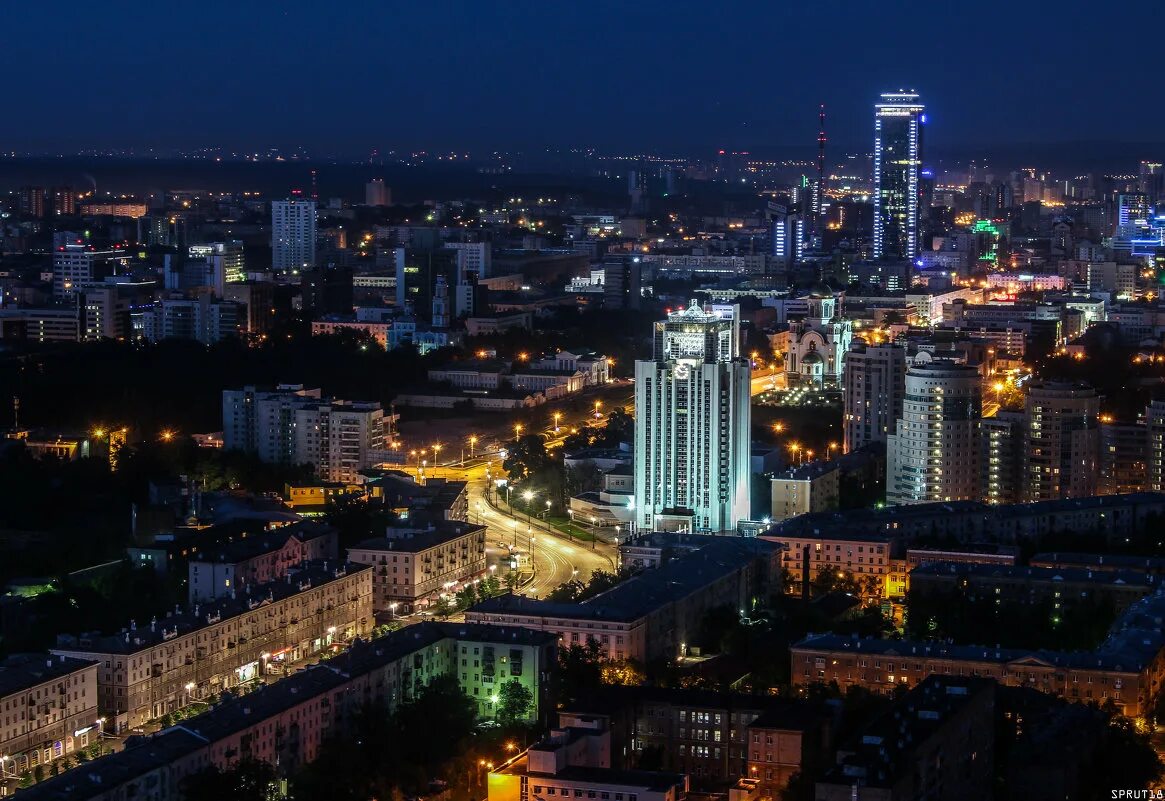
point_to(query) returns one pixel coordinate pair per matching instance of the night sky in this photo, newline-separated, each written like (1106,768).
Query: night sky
(670,77)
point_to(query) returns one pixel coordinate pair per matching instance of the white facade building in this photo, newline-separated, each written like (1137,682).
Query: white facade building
(934,454)
(292,425)
(817,343)
(692,423)
(76,262)
(293,235)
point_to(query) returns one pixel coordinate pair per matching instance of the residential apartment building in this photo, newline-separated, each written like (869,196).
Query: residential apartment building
(1128,668)
(654,614)
(293,235)
(873,388)
(710,735)
(1155,428)
(1062,587)
(1001,443)
(48,709)
(937,741)
(413,567)
(1062,441)
(286,722)
(934,455)
(235,566)
(575,762)
(147,671)
(293,425)
(813,487)
(869,558)
(1124,457)
(1111,516)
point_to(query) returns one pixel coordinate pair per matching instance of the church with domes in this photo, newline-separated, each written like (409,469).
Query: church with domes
(817,343)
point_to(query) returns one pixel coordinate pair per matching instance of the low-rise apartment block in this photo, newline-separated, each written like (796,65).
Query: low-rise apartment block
(257,559)
(575,762)
(148,671)
(286,722)
(654,614)
(413,567)
(48,709)
(938,741)
(1127,668)
(711,736)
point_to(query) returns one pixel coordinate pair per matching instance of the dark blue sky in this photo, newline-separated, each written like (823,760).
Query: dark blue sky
(343,77)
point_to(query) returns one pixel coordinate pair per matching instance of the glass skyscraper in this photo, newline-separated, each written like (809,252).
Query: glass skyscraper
(898,123)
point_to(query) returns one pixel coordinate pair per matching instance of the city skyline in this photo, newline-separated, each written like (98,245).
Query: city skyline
(411,78)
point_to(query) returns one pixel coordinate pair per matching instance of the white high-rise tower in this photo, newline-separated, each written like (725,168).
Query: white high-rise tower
(692,424)
(934,453)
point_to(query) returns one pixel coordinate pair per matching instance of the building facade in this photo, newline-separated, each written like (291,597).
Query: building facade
(934,454)
(293,235)
(899,120)
(48,710)
(1062,442)
(415,567)
(873,387)
(692,423)
(146,672)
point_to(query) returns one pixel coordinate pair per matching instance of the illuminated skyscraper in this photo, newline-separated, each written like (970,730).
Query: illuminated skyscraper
(693,424)
(934,454)
(898,123)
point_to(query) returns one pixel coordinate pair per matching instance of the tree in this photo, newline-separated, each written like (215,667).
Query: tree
(246,780)
(514,703)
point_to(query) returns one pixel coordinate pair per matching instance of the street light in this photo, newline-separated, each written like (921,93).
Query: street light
(528,495)
(557,417)
(472,444)
(392,610)
(598,405)
(518,430)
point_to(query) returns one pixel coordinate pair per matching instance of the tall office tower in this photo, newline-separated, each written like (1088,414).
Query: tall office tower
(376,193)
(1155,428)
(64,201)
(1132,210)
(934,454)
(225,262)
(475,257)
(898,123)
(692,424)
(1001,457)
(1150,180)
(293,235)
(873,386)
(1062,441)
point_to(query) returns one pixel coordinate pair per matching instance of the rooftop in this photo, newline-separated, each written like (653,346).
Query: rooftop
(253,546)
(21,671)
(413,540)
(183,621)
(109,772)
(1036,574)
(650,590)
(881,754)
(1133,642)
